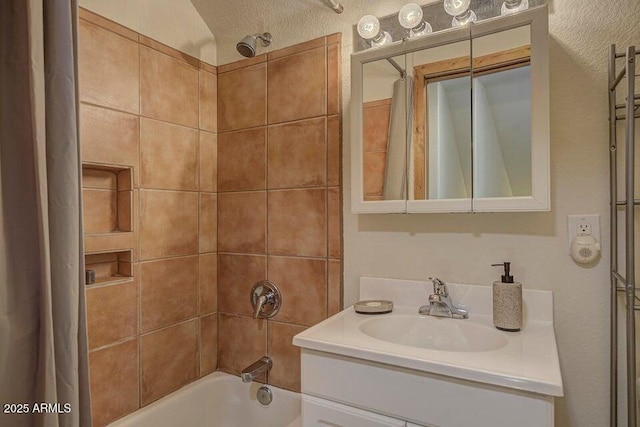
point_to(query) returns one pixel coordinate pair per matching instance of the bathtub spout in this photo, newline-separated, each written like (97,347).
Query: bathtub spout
(251,372)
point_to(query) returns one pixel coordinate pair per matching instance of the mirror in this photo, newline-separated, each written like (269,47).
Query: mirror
(455,121)
(384,128)
(502,114)
(441,132)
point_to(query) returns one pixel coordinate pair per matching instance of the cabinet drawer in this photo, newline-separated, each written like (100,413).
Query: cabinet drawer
(323,413)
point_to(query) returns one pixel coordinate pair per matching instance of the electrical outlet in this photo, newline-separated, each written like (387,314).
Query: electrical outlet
(583,229)
(583,225)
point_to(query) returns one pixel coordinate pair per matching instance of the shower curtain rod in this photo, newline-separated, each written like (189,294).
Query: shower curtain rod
(397,66)
(337,7)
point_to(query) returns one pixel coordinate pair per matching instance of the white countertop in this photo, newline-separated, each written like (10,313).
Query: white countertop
(529,360)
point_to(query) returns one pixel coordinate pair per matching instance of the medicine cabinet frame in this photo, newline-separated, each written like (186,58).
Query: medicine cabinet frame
(539,200)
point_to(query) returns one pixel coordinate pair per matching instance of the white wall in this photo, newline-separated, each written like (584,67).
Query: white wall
(175,23)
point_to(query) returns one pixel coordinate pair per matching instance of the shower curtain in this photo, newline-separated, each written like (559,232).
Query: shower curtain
(395,177)
(43,345)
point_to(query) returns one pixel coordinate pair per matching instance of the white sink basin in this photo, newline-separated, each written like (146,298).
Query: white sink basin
(434,333)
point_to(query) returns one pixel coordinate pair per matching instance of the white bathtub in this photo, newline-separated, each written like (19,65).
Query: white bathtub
(218,400)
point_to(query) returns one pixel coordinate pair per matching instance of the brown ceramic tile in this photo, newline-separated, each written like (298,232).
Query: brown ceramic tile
(112,313)
(242,63)
(108,136)
(334,290)
(114,382)
(304,283)
(168,50)
(300,47)
(110,267)
(99,211)
(334,148)
(208,222)
(124,181)
(126,200)
(208,101)
(208,286)
(168,156)
(236,275)
(297,222)
(242,160)
(169,224)
(103,179)
(107,24)
(208,161)
(111,242)
(241,341)
(286,357)
(334,72)
(297,154)
(297,86)
(334,38)
(168,360)
(208,67)
(168,88)
(208,344)
(168,291)
(242,222)
(108,66)
(375,124)
(374,164)
(242,98)
(334,222)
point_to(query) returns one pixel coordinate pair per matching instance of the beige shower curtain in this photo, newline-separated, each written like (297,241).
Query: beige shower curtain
(43,346)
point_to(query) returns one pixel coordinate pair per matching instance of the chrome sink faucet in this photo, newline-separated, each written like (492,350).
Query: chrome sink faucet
(440,303)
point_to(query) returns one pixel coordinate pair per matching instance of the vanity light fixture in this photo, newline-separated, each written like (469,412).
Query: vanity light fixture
(411,18)
(369,29)
(513,6)
(460,11)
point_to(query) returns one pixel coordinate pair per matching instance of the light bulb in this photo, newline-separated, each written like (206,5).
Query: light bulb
(369,29)
(410,17)
(460,11)
(513,6)
(456,7)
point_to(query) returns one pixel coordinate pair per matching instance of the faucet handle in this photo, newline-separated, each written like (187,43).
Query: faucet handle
(439,287)
(265,299)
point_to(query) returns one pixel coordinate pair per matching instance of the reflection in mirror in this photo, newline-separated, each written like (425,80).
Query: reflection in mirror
(441,131)
(384,125)
(502,114)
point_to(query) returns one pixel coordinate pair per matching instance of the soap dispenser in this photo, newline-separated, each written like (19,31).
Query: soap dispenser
(507,301)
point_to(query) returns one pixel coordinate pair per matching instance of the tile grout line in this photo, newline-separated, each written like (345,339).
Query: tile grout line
(268,125)
(266,225)
(199,282)
(139,115)
(139,226)
(326,170)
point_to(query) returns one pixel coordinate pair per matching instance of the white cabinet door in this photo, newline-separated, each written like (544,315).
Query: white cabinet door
(323,413)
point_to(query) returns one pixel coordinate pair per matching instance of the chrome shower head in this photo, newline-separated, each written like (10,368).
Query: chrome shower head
(247,46)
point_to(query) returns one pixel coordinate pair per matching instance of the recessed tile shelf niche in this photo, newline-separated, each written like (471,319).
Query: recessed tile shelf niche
(110,267)
(107,199)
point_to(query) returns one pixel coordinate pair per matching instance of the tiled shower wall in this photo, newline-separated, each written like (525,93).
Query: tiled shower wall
(152,109)
(279,197)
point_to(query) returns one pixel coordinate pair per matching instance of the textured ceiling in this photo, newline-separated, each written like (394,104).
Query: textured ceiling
(290,21)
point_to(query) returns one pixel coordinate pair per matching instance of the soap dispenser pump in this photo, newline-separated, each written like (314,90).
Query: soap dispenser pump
(507,301)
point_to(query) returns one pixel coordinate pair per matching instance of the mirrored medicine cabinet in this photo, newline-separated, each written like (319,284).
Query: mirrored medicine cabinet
(457,121)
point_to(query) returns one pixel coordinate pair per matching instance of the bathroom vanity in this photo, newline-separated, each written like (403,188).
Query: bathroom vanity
(405,369)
